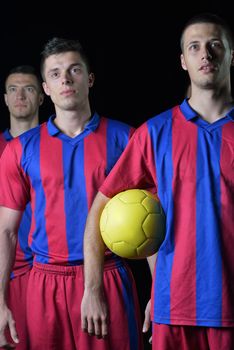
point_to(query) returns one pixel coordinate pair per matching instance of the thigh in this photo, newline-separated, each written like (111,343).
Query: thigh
(125,316)
(17,304)
(221,338)
(168,337)
(125,327)
(53,309)
(48,321)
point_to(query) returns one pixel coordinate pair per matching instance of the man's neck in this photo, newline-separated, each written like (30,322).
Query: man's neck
(72,124)
(18,127)
(210,107)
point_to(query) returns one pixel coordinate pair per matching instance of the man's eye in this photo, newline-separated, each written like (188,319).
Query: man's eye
(54,75)
(76,70)
(30,89)
(12,89)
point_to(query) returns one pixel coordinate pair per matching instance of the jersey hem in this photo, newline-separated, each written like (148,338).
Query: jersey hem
(186,322)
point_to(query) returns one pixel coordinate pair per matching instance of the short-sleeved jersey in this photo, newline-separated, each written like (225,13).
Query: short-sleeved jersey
(60,176)
(3,142)
(190,164)
(23,255)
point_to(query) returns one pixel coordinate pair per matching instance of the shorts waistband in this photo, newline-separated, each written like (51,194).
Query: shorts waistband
(109,264)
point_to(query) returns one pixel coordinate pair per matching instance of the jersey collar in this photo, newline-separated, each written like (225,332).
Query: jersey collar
(189,113)
(7,135)
(91,126)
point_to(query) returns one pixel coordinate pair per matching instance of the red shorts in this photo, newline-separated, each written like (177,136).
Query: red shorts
(16,301)
(53,309)
(168,337)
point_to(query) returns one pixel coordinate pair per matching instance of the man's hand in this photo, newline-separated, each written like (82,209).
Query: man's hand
(147,321)
(6,320)
(94,314)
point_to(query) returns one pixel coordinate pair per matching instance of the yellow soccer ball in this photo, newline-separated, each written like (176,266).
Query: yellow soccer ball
(132,224)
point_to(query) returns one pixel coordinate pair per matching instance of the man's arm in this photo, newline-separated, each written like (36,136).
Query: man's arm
(147,321)
(151,262)
(9,223)
(94,311)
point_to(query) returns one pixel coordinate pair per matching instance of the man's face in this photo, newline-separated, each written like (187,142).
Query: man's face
(67,80)
(206,55)
(23,95)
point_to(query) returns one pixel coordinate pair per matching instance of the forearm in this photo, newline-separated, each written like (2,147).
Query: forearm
(7,256)
(9,222)
(151,262)
(94,309)
(147,321)
(94,246)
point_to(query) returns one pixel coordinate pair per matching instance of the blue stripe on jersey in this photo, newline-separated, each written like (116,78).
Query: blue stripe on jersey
(40,203)
(76,206)
(7,135)
(208,270)
(24,229)
(130,308)
(114,147)
(164,166)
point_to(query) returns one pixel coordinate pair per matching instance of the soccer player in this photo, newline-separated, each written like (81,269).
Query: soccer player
(187,155)
(58,168)
(23,98)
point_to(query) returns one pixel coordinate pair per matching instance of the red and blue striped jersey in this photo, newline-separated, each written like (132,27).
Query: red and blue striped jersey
(60,176)
(190,164)
(3,142)
(23,255)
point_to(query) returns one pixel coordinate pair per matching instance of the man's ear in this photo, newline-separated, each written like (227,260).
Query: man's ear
(6,100)
(91,79)
(46,89)
(182,61)
(41,99)
(232,57)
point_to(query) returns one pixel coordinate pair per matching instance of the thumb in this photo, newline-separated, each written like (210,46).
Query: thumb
(13,331)
(147,323)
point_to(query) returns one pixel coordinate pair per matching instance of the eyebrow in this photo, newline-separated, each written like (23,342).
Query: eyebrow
(23,86)
(81,64)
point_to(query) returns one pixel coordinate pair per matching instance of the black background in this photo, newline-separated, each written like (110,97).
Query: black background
(134,51)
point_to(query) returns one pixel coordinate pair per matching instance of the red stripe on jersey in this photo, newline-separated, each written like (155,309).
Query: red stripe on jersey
(33,222)
(184,147)
(14,192)
(51,157)
(3,143)
(227,221)
(146,147)
(95,155)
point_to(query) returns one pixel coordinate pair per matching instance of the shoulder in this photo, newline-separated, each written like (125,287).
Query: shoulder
(119,125)
(117,129)
(162,118)
(31,132)
(155,126)
(19,144)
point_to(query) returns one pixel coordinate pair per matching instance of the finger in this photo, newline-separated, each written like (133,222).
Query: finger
(97,329)
(150,340)
(4,344)
(84,325)
(90,327)
(146,324)
(104,329)
(3,341)
(8,347)
(13,331)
